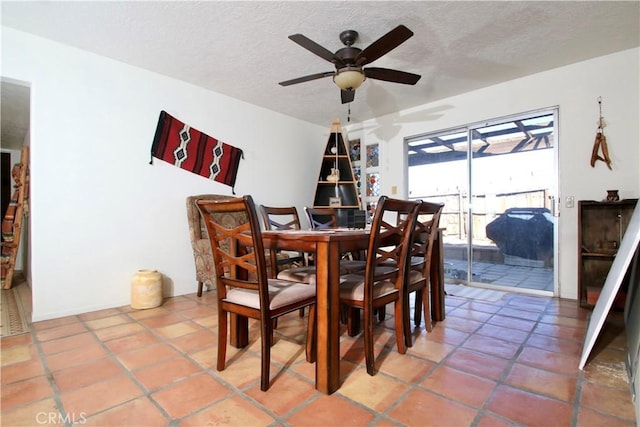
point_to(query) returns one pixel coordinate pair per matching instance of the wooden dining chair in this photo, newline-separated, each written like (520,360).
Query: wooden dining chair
(382,283)
(321,218)
(244,287)
(418,280)
(325,218)
(295,267)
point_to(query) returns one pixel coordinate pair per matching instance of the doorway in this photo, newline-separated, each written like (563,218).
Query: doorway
(498,181)
(15,103)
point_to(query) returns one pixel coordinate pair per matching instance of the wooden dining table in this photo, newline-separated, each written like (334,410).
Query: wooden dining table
(328,245)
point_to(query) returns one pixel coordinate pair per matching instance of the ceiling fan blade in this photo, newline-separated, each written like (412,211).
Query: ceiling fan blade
(314,47)
(383,45)
(347,95)
(307,78)
(394,76)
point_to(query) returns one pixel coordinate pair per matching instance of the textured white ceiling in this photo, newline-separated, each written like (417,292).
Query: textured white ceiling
(241,49)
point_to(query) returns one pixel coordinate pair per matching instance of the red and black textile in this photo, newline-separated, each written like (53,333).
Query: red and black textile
(189,149)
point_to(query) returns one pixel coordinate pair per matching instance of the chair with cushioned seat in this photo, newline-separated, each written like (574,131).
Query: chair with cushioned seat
(418,280)
(205,269)
(295,267)
(381,283)
(244,287)
(323,218)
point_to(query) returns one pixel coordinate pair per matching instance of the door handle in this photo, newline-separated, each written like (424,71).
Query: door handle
(555,206)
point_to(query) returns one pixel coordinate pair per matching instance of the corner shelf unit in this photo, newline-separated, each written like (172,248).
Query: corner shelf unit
(601,226)
(341,194)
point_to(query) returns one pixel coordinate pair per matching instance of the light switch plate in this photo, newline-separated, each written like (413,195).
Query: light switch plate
(570,202)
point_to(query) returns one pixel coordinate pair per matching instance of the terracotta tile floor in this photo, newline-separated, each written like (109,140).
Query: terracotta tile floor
(513,362)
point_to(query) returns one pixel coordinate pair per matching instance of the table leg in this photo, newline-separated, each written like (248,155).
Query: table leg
(327,309)
(437,280)
(238,325)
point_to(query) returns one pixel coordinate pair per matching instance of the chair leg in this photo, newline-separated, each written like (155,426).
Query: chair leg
(368,342)
(267,331)
(312,335)
(200,286)
(426,303)
(222,340)
(406,321)
(417,309)
(399,324)
(353,321)
(344,314)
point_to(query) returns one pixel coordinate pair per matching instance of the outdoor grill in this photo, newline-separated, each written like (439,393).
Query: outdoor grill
(524,236)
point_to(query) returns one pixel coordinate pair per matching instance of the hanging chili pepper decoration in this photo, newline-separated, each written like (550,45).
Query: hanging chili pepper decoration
(601,142)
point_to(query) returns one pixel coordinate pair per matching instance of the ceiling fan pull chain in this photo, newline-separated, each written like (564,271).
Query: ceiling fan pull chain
(348,112)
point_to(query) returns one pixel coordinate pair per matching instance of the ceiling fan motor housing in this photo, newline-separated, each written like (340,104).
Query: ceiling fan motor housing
(347,55)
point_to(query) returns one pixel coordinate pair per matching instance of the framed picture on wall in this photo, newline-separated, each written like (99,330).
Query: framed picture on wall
(373,160)
(354,150)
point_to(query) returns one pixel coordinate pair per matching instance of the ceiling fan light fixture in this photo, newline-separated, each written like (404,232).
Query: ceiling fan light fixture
(349,78)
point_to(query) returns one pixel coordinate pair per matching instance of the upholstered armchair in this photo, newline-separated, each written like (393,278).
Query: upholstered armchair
(205,269)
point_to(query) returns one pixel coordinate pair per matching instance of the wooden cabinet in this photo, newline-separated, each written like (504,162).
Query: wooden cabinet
(336,185)
(601,226)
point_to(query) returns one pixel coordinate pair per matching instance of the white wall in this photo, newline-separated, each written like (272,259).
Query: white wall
(575,90)
(99,211)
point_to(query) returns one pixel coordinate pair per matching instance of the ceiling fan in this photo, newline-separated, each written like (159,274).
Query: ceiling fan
(349,61)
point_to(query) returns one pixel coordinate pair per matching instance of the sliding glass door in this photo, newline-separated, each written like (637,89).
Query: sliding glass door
(498,182)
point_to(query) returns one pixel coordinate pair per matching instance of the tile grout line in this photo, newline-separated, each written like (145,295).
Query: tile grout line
(212,372)
(548,310)
(49,374)
(127,372)
(511,361)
